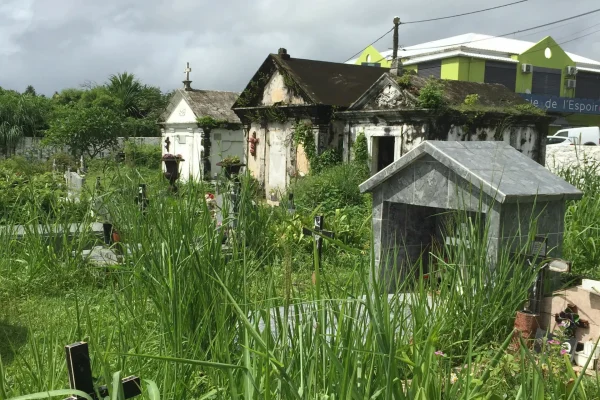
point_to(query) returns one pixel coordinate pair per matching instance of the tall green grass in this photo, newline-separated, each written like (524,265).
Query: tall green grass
(202,320)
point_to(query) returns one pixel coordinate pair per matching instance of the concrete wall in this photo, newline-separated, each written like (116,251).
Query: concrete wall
(187,140)
(277,92)
(588,304)
(277,158)
(523,138)
(31,148)
(558,156)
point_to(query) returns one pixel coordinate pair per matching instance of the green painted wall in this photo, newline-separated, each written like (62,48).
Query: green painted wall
(413,67)
(474,69)
(450,68)
(372,55)
(536,56)
(463,69)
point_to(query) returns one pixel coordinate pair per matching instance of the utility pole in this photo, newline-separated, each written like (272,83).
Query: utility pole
(395,50)
(396,68)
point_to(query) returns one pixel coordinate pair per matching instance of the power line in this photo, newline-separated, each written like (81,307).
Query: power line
(551,47)
(463,14)
(435,19)
(370,44)
(511,33)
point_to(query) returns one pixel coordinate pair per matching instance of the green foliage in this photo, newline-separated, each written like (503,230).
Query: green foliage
(526,109)
(404,81)
(582,221)
(231,160)
(333,188)
(431,94)
(63,162)
(361,149)
(143,155)
(303,135)
(21,115)
(472,99)
(85,130)
(208,123)
(30,194)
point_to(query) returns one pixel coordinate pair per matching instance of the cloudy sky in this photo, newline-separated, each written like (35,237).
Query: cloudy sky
(54,44)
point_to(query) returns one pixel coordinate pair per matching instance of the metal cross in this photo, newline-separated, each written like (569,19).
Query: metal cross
(318,233)
(187,72)
(167,144)
(80,375)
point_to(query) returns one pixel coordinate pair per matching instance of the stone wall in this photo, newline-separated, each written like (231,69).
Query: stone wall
(558,156)
(32,149)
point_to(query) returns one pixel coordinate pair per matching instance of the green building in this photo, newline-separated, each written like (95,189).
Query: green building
(564,84)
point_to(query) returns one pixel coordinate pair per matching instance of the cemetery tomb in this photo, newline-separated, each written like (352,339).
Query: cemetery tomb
(75,183)
(416,200)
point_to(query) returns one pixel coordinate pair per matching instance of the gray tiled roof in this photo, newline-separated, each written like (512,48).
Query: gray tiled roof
(498,168)
(206,103)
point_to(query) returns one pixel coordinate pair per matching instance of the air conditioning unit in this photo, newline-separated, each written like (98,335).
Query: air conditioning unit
(571,83)
(571,70)
(527,68)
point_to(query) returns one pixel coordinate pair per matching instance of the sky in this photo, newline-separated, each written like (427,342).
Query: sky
(57,44)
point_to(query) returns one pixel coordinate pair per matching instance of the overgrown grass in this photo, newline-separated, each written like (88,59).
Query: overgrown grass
(582,222)
(206,321)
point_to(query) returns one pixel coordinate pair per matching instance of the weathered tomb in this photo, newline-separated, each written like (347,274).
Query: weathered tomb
(414,197)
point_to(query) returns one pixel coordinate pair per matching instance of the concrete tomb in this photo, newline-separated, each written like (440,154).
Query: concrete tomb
(416,198)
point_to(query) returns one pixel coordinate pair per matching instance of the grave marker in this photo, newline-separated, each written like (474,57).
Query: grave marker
(318,232)
(142,198)
(80,375)
(75,183)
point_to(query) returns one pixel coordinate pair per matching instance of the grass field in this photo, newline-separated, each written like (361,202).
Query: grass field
(183,313)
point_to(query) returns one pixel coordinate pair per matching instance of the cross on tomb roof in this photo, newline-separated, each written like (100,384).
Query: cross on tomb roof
(187,72)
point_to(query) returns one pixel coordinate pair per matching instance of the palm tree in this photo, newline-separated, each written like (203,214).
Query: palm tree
(128,89)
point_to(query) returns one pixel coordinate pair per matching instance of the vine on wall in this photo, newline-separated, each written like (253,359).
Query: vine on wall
(361,150)
(304,135)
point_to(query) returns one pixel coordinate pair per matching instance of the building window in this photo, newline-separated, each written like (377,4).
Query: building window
(502,73)
(588,85)
(368,58)
(546,81)
(430,68)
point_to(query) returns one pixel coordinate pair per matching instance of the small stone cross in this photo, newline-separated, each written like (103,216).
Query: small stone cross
(187,72)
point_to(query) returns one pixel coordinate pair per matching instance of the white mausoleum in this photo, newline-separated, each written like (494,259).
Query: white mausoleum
(200,126)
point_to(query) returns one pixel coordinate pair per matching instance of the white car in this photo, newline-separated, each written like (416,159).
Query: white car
(558,140)
(587,136)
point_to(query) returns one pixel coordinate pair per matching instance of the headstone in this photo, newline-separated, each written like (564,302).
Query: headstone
(82,166)
(75,183)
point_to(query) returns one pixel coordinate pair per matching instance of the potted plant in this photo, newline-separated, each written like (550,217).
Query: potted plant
(231,165)
(172,166)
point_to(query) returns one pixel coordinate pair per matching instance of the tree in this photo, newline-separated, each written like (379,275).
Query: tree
(30,91)
(128,89)
(21,115)
(85,130)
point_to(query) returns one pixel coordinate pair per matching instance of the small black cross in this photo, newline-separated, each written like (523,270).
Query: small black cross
(167,144)
(80,375)
(318,233)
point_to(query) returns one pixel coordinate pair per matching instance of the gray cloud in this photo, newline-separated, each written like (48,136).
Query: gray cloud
(54,44)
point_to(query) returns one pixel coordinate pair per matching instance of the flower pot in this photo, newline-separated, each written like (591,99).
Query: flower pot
(172,173)
(231,169)
(526,326)
(116,237)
